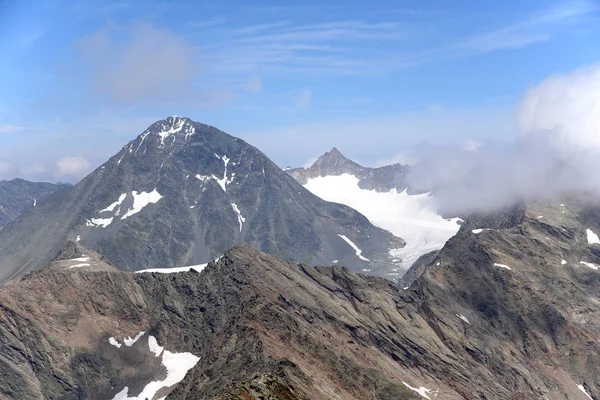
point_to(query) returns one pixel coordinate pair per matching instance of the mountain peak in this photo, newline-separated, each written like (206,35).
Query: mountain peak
(334,153)
(334,159)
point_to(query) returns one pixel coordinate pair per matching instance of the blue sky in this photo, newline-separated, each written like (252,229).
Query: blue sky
(376,79)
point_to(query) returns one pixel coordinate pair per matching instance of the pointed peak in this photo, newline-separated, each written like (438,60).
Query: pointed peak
(333,155)
(335,152)
(334,160)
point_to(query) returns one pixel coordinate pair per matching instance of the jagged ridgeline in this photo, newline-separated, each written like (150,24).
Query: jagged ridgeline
(183,193)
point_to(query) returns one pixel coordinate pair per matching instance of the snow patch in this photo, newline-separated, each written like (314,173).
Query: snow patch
(176,364)
(34,202)
(176,126)
(78,238)
(563,262)
(101,222)
(502,266)
(411,217)
(141,200)
(422,391)
(590,265)
(79,259)
(241,219)
(79,265)
(223,182)
(154,347)
(115,204)
(463,318)
(477,231)
(592,238)
(580,387)
(114,342)
(129,341)
(355,247)
(197,268)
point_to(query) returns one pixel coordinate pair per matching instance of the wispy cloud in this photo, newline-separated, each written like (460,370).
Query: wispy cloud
(72,166)
(539,27)
(142,64)
(303,99)
(253,85)
(11,128)
(362,47)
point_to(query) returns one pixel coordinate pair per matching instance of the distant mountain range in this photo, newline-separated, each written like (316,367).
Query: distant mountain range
(18,196)
(334,163)
(183,193)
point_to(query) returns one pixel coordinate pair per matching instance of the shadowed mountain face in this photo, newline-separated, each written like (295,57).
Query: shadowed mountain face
(496,314)
(19,196)
(333,163)
(183,193)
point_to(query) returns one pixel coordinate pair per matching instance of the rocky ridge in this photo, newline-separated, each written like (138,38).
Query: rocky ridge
(333,163)
(507,309)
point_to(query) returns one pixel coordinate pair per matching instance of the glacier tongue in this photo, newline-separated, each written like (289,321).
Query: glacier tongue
(410,217)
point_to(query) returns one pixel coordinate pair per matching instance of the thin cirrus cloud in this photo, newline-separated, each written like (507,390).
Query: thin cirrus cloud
(253,85)
(304,98)
(360,47)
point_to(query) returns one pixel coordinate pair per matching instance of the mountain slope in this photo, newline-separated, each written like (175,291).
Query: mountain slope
(182,193)
(495,314)
(383,196)
(19,196)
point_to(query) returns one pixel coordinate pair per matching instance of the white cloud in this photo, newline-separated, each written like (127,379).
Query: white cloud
(253,85)
(557,152)
(141,64)
(72,166)
(404,157)
(471,145)
(303,99)
(565,109)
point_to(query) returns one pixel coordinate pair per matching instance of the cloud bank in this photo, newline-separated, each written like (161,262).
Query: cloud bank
(557,152)
(137,63)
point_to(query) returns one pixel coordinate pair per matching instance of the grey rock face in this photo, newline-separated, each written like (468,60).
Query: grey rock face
(19,196)
(333,163)
(183,193)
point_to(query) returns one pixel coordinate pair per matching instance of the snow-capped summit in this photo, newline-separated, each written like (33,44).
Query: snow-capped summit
(182,193)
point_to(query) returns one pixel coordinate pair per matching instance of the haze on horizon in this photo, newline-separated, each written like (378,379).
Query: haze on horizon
(458,86)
